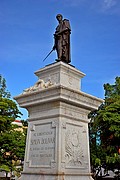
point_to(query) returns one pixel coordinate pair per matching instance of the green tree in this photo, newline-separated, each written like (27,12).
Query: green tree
(105,129)
(12,140)
(3,92)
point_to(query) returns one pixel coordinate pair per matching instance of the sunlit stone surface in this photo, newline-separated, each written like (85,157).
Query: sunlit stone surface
(57,145)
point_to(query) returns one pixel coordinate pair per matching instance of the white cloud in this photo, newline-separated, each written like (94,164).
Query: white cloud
(108,4)
(102,6)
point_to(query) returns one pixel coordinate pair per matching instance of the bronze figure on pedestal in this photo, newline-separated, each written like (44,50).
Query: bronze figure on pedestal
(62,39)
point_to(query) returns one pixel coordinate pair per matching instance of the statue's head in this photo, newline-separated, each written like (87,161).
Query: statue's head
(59,17)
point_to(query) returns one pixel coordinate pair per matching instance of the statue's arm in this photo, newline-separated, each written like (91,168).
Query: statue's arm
(61,32)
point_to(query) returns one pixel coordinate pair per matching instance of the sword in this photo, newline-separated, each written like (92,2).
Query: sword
(49,54)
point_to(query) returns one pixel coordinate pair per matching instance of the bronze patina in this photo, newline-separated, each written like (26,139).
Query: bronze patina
(62,39)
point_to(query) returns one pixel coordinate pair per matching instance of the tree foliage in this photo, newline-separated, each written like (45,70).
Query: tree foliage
(3,92)
(12,139)
(105,129)
(8,113)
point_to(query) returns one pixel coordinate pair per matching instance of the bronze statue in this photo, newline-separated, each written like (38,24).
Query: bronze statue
(62,39)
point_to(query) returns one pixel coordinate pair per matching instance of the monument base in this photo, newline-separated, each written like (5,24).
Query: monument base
(55,177)
(57,146)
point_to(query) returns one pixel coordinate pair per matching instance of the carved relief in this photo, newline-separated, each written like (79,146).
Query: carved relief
(53,165)
(64,124)
(27,164)
(32,127)
(55,123)
(74,154)
(40,84)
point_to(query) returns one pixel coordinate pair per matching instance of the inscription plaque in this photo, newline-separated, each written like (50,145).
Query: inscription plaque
(42,145)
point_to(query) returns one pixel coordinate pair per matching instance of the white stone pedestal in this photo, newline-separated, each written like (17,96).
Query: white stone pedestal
(57,146)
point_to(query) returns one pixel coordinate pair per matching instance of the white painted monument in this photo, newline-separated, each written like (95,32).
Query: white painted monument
(57,146)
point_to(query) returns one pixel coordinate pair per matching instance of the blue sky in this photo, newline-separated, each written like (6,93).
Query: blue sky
(26,36)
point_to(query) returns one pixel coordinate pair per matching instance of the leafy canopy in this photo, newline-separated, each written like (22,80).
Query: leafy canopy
(105,129)
(3,92)
(8,108)
(12,139)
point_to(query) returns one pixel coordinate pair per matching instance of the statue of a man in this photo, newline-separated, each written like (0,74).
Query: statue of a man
(62,39)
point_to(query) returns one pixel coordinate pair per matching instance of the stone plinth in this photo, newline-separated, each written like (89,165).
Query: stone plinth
(57,146)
